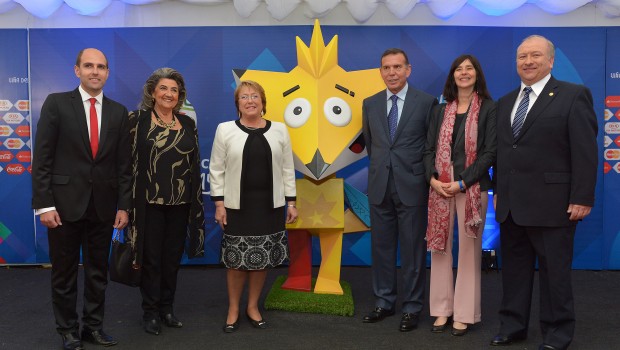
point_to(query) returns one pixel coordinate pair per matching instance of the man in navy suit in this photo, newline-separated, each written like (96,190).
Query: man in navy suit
(394,124)
(546,174)
(81,180)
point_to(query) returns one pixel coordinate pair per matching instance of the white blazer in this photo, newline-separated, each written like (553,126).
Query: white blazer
(227,158)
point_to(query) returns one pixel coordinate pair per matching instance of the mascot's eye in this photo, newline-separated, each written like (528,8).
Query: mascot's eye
(337,111)
(297,112)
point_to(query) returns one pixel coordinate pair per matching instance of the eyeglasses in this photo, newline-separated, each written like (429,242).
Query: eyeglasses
(249,97)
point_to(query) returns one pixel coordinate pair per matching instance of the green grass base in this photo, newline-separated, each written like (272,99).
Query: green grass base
(309,302)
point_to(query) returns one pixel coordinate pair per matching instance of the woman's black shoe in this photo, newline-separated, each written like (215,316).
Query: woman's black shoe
(262,324)
(442,327)
(231,328)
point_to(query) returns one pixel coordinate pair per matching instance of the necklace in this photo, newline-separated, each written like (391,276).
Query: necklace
(164,124)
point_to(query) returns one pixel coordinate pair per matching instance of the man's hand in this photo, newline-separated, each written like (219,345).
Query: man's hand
(121,220)
(51,219)
(578,212)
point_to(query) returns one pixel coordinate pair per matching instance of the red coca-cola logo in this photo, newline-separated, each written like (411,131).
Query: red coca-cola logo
(6,156)
(23,130)
(29,168)
(23,156)
(15,169)
(612,101)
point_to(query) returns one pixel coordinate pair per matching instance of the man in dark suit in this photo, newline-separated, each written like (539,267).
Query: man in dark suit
(81,180)
(394,124)
(546,174)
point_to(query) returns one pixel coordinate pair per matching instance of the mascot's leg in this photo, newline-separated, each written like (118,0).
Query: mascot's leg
(300,266)
(328,280)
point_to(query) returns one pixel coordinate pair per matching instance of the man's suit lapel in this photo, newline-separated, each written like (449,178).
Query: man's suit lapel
(383,112)
(504,123)
(80,116)
(105,123)
(406,113)
(546,96)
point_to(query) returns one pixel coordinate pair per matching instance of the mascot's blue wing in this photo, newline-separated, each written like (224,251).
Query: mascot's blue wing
(358,202)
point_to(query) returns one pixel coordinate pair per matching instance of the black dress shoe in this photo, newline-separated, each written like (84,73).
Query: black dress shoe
(171,321)
(231,328)
(501,340)
(442,327)
(378,314)
(408,321)
(98,337)
(458,332)
(547,347)
(152,326)
(261,324)
(71,341)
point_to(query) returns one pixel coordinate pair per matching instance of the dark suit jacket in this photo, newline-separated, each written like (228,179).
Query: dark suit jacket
(486,147)
(553,161)
(64,173)
(404,155)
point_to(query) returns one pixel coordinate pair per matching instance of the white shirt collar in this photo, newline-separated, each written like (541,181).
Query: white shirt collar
(538,86)
(86,96)
(401,94)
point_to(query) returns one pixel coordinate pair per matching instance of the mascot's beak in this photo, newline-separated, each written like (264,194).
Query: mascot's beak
(317,166)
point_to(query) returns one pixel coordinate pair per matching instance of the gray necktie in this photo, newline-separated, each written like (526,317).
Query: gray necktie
(521,112)
(393,116)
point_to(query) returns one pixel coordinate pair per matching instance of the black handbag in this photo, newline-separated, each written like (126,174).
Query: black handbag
(122,268)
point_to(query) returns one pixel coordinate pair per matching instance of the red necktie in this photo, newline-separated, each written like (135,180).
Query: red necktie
(94,127)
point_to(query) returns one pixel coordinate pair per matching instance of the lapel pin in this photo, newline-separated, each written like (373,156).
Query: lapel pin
(551,94)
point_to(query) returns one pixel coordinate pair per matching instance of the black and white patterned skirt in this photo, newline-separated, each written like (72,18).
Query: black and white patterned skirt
(254,252)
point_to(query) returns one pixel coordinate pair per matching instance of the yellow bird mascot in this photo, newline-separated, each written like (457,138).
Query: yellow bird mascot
(321,104)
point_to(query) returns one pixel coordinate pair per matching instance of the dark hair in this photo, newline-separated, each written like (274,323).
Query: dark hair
(395,51)
(153,80)
(254,86)
(78,60)
(450,91)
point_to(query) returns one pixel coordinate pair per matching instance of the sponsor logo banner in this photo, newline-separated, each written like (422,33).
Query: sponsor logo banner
(13,118)
(606,167)
(617,141)
(617,167)
(14,169)
(612,101)
(5,130)
(612,128)
(5,105)
(14,143)
(22,105)
(606,141)
(23,156)
(608,114)
(23,130)
(6,156)
(612,154)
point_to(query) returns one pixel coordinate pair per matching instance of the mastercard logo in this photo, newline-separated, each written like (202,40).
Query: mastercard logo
(612,101)
(14,143)
(612,154)
(23,156)
(5,130)
(15,169)
(22,105)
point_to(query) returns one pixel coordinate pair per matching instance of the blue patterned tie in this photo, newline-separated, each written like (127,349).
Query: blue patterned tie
(393,117)
(521,112)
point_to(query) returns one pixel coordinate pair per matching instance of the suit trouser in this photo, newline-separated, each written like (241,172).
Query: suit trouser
(393,223)
(553,246)
(164,237)
(94,237)
(463,299)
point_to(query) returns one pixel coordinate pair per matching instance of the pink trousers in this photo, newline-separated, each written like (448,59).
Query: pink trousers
(460,300)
